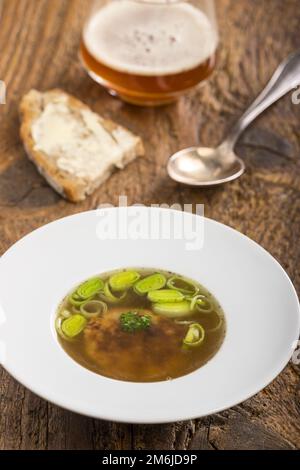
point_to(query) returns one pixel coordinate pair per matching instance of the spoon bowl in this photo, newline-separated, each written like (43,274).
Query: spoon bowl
(204,166)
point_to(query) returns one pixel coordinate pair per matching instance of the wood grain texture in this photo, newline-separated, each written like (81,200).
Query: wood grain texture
(39,44)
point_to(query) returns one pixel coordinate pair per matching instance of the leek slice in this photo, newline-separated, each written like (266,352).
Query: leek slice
(75,300)
(90,288)
(150,283)
(58,323)
(166,295)
(109,297)
(75,309)
(173,309)
(74,325)
(183,285)
(201,303)
(216,328)
(93,308)
(65,313)
(123,280)
(195,335)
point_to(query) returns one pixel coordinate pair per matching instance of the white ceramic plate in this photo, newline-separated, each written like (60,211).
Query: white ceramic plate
(259,300)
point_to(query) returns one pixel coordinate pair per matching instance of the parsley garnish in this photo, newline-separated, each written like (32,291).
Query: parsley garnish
(133,321)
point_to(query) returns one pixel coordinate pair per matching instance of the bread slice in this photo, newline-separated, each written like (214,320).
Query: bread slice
(75,149)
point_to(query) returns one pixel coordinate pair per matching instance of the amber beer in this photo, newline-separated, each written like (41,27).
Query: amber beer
(149,53)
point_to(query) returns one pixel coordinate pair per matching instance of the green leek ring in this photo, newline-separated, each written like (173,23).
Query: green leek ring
(101,308)
(150,283)
(189,289)
(123,280)
(216,328)
(109,297)
(89,288)
(172,309)
(165,296)
(195,335)
(196,302)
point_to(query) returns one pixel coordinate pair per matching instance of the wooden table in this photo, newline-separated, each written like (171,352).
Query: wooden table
(39,43)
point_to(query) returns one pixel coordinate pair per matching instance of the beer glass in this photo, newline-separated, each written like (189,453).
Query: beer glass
(149,52)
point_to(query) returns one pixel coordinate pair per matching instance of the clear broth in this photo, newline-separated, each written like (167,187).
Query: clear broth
(154,354)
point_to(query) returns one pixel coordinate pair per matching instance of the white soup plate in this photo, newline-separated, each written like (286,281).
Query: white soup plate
(258,298)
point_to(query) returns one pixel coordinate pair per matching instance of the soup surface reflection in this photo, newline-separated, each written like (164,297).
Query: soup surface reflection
(140,325)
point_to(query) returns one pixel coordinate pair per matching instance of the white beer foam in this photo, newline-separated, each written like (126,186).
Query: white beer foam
(150,39)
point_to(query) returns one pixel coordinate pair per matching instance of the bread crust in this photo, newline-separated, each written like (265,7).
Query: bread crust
(69,186)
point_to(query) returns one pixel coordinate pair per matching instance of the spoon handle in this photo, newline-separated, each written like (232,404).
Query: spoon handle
(285,78)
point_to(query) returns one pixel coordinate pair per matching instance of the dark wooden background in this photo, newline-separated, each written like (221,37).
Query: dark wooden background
(38,48)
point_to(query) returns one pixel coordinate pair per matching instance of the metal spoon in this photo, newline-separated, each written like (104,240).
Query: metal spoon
(203,166)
